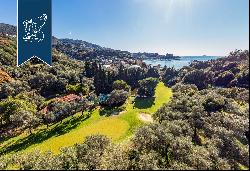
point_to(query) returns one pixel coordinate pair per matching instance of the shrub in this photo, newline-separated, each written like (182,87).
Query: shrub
(121,85)
(197,77)
(214,104)
(116,98)
(224,79)
(147,87)
(78,88)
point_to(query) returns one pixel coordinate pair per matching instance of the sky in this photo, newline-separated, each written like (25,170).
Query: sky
(181,27)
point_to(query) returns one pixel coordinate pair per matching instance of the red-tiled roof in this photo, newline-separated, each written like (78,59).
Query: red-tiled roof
(67,98)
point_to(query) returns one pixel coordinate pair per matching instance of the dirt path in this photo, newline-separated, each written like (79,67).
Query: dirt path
(146,117)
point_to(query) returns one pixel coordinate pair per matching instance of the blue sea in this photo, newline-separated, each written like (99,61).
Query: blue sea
(178,64)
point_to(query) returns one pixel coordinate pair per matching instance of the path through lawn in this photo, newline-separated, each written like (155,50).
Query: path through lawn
(73,130)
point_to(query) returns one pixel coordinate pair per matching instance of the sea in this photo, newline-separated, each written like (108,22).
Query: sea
(178,64)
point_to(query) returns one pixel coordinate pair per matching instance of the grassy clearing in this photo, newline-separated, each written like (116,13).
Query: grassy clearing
(74,129)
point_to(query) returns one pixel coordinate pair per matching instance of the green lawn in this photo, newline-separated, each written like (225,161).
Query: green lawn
(74,129)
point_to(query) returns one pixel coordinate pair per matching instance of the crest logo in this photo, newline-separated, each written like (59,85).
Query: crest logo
(33,29)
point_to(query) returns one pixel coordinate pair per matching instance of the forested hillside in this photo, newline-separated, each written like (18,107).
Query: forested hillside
(232,71)
(83,50)
(30,98)
(204,126)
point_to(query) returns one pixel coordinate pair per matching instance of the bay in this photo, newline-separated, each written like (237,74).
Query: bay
(178,64)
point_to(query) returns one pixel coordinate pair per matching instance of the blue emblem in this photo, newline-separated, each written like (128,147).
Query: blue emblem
(34,31)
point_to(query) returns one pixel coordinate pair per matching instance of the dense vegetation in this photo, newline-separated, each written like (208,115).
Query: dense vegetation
(205,126)
(232,71)
(198,133)
(60,91)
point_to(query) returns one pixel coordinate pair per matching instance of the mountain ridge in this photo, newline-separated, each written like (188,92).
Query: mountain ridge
(8,29)
(12,30)
(77,49)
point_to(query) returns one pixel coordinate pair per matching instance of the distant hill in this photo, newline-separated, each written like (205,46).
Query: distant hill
(55,41)
(83,50)
(8,29)
(77,49)
(12,30)
(82,44)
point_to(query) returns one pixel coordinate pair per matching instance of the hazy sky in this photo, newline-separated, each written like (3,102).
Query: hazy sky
(182,27)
